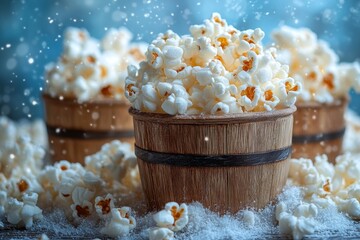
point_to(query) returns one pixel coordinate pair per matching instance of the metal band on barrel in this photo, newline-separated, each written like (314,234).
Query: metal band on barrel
(195,160)
(318,137)
(88,134)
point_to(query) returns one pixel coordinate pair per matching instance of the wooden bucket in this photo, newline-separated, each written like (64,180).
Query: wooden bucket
(76,130)
(225,162)
(319,129)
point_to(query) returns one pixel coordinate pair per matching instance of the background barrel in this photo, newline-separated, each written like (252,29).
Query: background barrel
(225,162)
(319,129)
(76,130)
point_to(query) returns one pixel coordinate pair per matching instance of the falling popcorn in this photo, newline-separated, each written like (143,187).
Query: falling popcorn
(120,224)
(217,69)
(174,217)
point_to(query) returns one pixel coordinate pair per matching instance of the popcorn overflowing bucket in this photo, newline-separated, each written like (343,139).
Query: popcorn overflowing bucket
(226,162)
(319,129)
(76,130)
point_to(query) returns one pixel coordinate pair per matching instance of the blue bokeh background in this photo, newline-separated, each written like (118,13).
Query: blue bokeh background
(31,32)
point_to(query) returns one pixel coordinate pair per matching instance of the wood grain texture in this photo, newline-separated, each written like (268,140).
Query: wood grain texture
(315,118)
(218,188)
(104,115)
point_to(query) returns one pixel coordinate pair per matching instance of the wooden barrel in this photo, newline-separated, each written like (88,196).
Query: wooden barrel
(319,129)
(225,162)
(76,130)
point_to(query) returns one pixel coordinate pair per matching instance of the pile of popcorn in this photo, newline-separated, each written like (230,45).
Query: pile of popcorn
(89,69)
(20,162)
(313,63)
(324,186)
(217,69)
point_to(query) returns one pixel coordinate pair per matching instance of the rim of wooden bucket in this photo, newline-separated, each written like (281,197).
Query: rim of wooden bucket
(73,101)
(212,119)
(313,104)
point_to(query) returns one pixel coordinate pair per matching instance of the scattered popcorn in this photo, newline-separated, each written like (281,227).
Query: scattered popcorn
(327,185)
(298,227)
(23,212)
(249,218)
(103,206)
(90,70)
(160,234)
(82,207)
(174,217)
(121,223)
(217,69)
(30,211)
(315,65)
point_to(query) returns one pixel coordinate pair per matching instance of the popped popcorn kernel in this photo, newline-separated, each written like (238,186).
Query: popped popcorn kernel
(174,216)
(221,70)
(120,224)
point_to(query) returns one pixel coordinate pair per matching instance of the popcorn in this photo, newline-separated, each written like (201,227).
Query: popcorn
(325,185)
(30,211)
(217,69)
(161,234)
(19,149)
(174,217)
(298,227)
(23,212)
(249,218)
(300,223)
(13,210)
(89,69)
(103,206)
(121,223)
(82,206)
(315,65)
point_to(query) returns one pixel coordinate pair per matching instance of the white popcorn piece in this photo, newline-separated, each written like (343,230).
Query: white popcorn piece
(313,63)
(121,223)
(221,71)
(104,205)
(13,210)
(298,227)
(248,218)
(351,207)
(160,234)
(174,217)
(82,206)
(30,211)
